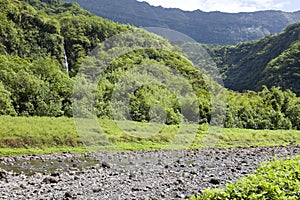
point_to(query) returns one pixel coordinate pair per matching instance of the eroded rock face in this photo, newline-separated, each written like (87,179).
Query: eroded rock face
(135,175)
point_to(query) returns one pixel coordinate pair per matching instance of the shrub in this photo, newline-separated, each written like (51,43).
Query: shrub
(279,179)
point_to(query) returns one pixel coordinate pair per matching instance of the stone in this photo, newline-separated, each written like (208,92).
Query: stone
(3,174)
(68,194)
(135,189)
(96,190)
(55,174)
(50,180)
(214,181)
(105,165)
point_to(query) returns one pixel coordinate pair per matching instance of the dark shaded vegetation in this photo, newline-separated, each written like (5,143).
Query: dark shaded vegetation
(272,61)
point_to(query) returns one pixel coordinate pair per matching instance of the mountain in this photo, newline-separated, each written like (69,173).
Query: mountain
(45,43)
(43,53)
(272,61)
(37,43)
(204,27)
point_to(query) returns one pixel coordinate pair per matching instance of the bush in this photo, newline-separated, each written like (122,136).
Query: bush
(6,107)
(279,179)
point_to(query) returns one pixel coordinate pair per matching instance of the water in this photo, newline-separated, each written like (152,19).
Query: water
(66,61)
(30,167)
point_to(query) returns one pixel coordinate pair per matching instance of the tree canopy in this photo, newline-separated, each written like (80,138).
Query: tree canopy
(38,38)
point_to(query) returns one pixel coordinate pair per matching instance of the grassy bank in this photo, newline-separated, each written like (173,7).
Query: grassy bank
(22,135)
(39,135)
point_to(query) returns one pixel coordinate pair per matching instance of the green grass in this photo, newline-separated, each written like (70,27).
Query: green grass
(279,179)
(233,137)
(23,132)
(38,135)
(27,135)
(50,150)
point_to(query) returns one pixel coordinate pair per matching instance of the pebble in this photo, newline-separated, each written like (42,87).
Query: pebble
(95,190)
(105,165)
(68,194)
(141,175)
(215,181)
(50,180)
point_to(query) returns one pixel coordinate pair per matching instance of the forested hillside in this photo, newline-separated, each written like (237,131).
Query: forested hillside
(44,43)
(272,61)
(204,27)
(34,79)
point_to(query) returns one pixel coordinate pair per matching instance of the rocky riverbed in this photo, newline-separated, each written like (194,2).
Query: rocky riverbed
(130,175)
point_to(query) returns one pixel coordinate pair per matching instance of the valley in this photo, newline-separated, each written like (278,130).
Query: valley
(105,109)
(204,27)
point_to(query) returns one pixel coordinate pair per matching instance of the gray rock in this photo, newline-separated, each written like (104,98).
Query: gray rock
(215,181)
(144,177)
(50,180)
(55,174)
(3,174)
(105,165)
(96,190)
(68,195)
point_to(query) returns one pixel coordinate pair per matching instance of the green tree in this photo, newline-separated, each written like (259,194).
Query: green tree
(6,107)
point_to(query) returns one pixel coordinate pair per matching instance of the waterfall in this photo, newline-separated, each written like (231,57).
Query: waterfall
(66,61)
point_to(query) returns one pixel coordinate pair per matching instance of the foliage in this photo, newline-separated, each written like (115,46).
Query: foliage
(283,70)
(32,47)
(268,109)
(276,180)
(26,32)
(52,28)
(36,88)
(272,61)
(34,81)
(146,90)
(6,107)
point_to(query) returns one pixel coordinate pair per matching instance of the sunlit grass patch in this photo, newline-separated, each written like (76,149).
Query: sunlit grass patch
(41,134)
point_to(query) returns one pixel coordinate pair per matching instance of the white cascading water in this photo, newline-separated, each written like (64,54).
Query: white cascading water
(66,61)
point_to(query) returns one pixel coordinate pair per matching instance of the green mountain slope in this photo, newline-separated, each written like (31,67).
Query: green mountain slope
(272,61)
(34,81)
(204,27)
(25,32)
(59,27)
(34,39)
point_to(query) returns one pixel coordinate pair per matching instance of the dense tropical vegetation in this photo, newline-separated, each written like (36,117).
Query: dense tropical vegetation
(275,180)
(34,78)
(272,61)
(44,43)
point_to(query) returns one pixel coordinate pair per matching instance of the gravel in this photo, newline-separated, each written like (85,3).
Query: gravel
(130,175)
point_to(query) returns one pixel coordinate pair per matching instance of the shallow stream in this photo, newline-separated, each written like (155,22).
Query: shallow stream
(30,167)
